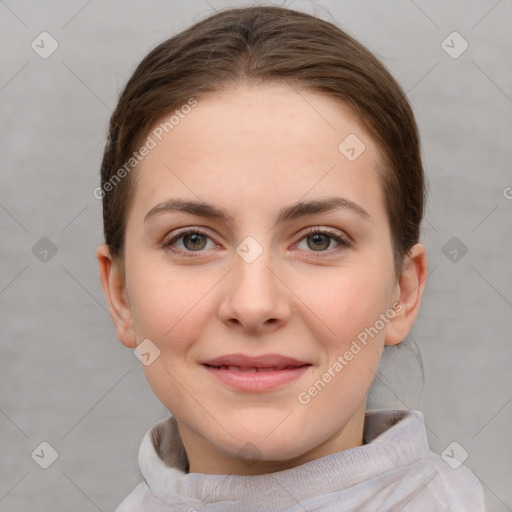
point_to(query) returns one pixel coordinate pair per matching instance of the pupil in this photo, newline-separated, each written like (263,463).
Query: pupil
(195,238)
(318,238)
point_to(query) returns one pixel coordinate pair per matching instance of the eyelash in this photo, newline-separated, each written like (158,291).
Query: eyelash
(343,242)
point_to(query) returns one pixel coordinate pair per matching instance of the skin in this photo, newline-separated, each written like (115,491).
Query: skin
(252,151)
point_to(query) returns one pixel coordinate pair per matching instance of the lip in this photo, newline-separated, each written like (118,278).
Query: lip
(256,373)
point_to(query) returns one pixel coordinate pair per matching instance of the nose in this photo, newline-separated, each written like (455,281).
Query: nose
(255,297)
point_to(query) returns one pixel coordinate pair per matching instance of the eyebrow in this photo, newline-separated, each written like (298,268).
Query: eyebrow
(291,212)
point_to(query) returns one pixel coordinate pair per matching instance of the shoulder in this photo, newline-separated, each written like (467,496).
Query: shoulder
(454,489)
(415,477)
(134,501)
(142,499)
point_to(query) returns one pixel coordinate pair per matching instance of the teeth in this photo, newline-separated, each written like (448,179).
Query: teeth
(238,369)
(246,369)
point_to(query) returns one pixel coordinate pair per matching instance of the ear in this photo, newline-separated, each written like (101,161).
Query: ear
(407,296)
(113,283)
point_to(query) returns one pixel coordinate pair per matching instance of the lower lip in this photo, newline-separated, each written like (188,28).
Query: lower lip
(257,381)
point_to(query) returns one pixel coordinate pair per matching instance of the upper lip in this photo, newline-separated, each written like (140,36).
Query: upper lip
(262,361)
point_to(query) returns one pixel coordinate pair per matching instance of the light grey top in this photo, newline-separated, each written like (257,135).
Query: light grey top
(393,470)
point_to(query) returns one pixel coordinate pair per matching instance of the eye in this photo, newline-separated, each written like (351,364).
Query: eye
(191,240)
(320,240)
(194,240)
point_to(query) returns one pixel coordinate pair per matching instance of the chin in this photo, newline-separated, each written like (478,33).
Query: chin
(270,443)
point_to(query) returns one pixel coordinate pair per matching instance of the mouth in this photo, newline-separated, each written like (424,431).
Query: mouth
(247,369)
(262,373)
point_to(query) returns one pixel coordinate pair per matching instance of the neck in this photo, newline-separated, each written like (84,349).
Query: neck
(204,457)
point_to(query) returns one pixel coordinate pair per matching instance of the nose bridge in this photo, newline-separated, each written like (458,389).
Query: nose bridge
(253,269)
(255,294)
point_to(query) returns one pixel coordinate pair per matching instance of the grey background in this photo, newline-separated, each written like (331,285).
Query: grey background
(64,376)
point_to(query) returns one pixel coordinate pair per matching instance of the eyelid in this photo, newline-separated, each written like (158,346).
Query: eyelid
(188,230)
(323,230)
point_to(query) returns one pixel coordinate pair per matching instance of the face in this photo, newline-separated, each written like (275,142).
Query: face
(269,319)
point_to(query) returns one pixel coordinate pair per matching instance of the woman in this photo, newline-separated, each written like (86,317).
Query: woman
(262,193)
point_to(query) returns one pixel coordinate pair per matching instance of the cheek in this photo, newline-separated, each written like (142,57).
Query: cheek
(345,302)
(171,309)
(167,307)
(351,343)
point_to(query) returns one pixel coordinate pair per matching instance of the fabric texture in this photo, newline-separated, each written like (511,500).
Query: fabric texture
(394,470)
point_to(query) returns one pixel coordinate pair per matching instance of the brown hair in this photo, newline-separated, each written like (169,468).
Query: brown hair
(258,45)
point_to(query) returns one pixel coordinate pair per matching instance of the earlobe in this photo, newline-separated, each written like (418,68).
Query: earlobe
(113,283)
(410,287)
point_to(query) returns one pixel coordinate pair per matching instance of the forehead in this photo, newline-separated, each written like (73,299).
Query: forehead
(271,142)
